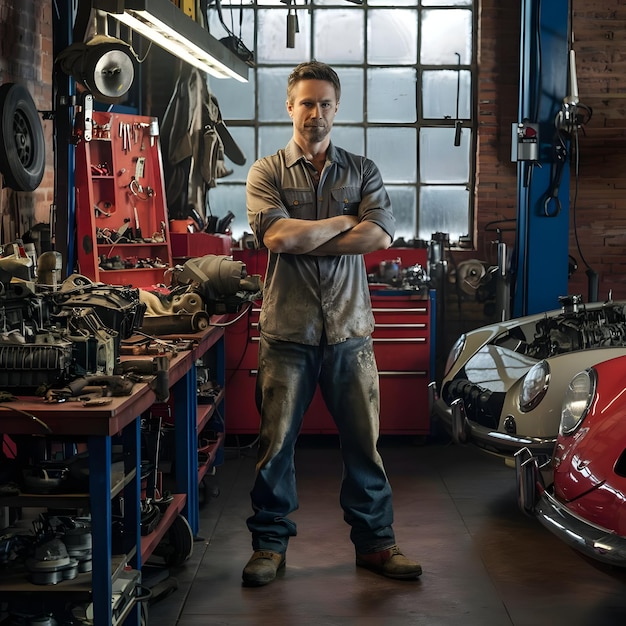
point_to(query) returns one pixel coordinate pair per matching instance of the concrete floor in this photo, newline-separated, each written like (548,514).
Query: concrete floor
(485,563)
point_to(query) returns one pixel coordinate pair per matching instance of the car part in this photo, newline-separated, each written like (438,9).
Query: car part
(177,544)
(22,142)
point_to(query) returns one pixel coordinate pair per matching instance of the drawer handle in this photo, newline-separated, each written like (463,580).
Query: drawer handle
(422,310)
(400,325)
(416,373)
(402,340)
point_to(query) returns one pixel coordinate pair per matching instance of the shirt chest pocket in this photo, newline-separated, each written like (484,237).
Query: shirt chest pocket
(300,203)
(346,200)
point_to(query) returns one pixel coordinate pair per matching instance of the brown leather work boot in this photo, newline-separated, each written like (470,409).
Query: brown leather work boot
(391,563)
(262,567)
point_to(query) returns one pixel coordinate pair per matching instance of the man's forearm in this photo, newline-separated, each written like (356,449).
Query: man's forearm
(363,238)
(296,236)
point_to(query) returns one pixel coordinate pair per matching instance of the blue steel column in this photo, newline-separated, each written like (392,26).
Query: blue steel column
(100,507)
(186,446)
(541,254)
(64,151)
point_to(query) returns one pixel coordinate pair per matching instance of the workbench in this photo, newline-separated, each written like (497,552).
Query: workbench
(98,427)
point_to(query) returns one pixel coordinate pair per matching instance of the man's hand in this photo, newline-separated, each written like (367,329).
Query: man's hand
(363,238)
(295,236)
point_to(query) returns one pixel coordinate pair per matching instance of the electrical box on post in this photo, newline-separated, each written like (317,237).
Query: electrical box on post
(525,141)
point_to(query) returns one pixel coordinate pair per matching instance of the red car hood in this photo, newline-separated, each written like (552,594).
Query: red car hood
(595,455)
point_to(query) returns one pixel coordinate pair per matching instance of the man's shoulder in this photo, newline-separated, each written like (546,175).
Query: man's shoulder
(337,153)
(270,160)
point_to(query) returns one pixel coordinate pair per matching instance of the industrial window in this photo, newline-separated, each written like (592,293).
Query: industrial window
(407,73)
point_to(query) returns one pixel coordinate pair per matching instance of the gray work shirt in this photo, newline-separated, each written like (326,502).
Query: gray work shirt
(306,295)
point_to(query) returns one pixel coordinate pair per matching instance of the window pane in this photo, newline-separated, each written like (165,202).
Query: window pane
(236,99)
(443,3)
(392,37)
(397,3)
(272,138)
(231,24)
(444,210)
(345,26)
(351,104)
(224,198)
(440,160)
(272,33)
(393,150)
(351,138)
(445,33)
(272,94)
(404,210)
(391,95)
(439,94)
(332,2)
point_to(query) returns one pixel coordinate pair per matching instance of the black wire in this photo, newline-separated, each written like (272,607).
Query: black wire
(26,414)
(575,201)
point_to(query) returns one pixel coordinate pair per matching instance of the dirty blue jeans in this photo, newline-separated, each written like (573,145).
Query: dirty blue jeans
(348,378)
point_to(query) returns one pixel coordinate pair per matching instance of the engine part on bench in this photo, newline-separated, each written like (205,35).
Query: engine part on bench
(52,334)
(158,368)
(29,366)
(223,283)
(107,386)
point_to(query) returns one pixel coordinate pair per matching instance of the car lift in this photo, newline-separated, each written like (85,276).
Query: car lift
(541,257)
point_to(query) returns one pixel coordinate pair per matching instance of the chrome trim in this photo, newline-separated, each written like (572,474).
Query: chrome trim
(527,476)
(463,430)
(593,541)
(459,420)
(433,396)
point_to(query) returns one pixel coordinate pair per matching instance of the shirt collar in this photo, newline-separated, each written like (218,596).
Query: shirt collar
(293,154)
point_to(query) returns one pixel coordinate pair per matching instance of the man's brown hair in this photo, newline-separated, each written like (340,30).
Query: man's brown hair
(313,70)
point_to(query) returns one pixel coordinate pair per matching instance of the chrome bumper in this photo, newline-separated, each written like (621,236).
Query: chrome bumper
(463,430)
(591,540)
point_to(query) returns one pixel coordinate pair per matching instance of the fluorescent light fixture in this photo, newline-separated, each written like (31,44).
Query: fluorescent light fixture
(166,25)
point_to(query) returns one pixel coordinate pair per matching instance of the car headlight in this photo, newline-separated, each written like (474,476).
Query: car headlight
(534,386)
(577,400)
(455,353)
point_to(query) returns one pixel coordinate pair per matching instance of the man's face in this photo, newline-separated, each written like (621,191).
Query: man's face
(313,109)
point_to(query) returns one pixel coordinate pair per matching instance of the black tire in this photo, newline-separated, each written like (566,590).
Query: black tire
(177,544)
(22,142)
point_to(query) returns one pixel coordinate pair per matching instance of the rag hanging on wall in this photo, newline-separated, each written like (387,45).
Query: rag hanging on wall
(195,142)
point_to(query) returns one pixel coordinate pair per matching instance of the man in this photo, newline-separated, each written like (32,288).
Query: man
(317,209)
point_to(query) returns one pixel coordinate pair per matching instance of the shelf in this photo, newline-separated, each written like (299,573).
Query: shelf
(63,500)
(151,541)
(15,580)
(211,452)
(206,411)
(119,185)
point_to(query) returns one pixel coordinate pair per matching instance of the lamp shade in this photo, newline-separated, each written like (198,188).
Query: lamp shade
(104,65)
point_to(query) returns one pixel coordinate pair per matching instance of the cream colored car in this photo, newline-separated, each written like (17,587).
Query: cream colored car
(503,384)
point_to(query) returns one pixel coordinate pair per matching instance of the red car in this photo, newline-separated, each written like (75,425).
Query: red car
(585,504)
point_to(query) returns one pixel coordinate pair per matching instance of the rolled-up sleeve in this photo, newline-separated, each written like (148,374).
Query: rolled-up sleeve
(375,203)
(263,199)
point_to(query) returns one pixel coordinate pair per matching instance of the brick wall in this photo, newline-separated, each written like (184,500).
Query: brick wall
(598,201)
(26,57)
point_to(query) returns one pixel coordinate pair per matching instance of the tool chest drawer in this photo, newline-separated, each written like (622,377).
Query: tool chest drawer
(403,350)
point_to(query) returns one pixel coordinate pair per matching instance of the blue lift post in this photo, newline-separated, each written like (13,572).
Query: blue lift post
(540,269)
